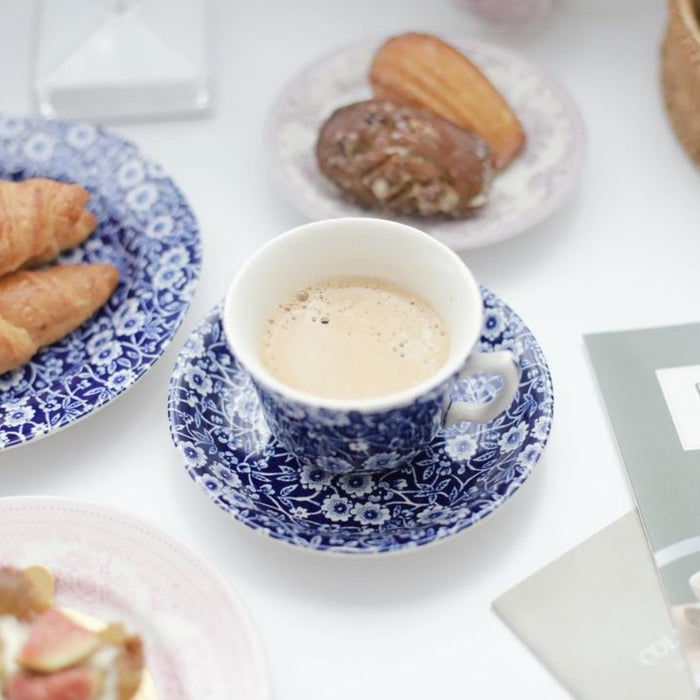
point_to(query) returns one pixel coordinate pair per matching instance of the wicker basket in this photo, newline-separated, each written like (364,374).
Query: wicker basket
(680,73)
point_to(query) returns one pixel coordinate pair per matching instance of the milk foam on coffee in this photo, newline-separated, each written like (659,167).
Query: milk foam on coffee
(354,338)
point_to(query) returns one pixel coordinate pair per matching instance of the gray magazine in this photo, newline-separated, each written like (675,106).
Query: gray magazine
(597,618)
(650,383)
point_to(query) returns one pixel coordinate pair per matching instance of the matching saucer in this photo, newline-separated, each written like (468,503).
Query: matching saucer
(465,473)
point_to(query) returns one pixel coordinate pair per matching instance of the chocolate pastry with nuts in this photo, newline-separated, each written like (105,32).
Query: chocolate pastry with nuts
(405,160)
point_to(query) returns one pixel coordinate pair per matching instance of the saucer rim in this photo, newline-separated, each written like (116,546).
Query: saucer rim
(343,550)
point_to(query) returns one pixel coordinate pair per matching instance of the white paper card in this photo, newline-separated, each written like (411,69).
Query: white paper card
(681,389)
(597,618)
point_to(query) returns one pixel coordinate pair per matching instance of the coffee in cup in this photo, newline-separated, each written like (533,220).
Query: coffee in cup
(354,338)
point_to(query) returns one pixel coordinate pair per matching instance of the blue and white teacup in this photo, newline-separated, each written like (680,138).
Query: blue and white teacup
(367,435)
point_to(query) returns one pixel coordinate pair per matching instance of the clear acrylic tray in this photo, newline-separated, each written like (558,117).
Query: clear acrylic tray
(122,59)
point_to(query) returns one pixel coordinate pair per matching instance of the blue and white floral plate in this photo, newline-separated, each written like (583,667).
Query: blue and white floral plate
(466,473)
(146,230)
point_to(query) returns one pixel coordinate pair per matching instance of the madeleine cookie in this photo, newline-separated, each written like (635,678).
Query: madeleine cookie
(424,71)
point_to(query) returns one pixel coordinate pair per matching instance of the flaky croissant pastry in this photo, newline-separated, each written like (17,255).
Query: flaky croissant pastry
(39,218)
(39,307)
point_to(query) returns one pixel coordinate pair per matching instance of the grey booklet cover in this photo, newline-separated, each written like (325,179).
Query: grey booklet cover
(650,383)
(597,618)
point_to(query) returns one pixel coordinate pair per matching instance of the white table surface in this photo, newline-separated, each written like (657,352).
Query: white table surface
(622,252)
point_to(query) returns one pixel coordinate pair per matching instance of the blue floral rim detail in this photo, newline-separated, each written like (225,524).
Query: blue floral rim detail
(465,474)
(146,229)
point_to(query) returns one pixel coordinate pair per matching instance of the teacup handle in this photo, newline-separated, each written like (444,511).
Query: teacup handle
(502,362)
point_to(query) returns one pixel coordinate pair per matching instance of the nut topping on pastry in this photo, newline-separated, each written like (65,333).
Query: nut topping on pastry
(398,158)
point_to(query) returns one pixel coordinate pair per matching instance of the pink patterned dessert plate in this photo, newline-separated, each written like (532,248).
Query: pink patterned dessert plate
(534,184)
(199,640)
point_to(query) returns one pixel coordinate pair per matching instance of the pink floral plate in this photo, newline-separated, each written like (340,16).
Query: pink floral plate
(509,12)
(198,637)
(534,184)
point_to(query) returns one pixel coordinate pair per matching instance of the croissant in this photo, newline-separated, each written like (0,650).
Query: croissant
(39,307)
(39,218)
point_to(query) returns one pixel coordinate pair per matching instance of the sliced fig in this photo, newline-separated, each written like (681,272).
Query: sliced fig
(56,642)
(20,595)
(69,684)
(129,665)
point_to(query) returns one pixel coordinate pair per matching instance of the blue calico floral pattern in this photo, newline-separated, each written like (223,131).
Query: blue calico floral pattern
(345,441)
(465,473)
(146,230)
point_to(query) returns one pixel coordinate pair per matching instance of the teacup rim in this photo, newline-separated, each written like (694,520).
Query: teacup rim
(405,397)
